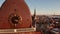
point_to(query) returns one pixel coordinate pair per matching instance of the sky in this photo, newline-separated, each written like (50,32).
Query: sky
(43,7)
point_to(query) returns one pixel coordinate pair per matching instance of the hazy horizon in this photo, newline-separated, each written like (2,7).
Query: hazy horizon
(43,7)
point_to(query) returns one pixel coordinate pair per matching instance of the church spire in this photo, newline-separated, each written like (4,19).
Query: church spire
(34,12)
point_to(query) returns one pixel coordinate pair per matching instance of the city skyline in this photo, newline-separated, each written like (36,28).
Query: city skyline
(45,7)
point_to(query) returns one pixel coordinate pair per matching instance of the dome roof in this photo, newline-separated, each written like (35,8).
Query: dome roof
(18,7)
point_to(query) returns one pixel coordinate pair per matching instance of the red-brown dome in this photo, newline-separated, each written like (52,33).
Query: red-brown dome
(17,7)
